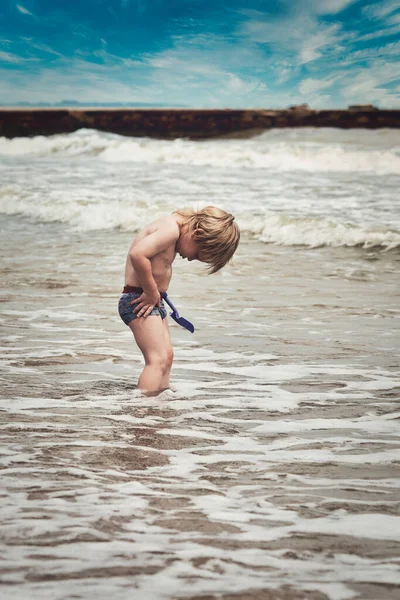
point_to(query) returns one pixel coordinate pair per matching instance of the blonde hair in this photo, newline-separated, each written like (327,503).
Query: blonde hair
(215,232)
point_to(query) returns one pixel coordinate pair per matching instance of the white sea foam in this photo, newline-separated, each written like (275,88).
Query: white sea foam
(313,232)
(284,229)
(310,187)
(284,152)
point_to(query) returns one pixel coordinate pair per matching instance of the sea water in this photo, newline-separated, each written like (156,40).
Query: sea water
(269,471)
(306,186)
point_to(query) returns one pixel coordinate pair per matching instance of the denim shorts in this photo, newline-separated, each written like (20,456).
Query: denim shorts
(125,308)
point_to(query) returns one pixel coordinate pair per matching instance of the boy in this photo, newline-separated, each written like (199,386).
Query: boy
(209,235)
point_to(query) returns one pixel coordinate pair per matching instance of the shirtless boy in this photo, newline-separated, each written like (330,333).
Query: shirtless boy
(209,235)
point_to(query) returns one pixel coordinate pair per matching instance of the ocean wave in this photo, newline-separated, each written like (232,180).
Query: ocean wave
(287,230)
(270,227)
(280,150)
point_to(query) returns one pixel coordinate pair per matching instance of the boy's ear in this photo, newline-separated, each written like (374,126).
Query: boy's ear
(198,233)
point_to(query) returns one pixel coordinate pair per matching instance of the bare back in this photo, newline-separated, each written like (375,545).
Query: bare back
(161,263)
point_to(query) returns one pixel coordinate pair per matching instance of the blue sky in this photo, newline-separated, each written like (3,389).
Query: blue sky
(201,53)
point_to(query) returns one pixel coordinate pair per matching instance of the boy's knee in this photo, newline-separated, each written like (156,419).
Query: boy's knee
(167,359)
(163,360)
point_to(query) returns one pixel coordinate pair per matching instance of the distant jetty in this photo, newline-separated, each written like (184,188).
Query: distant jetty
(169,123)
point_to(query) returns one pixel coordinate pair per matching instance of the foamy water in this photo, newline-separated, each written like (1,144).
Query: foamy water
(310,186)
(271,471)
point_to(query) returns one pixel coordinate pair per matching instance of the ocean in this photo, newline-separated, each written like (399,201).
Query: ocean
(270,470)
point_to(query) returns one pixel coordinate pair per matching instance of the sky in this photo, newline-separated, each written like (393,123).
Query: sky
(200,53)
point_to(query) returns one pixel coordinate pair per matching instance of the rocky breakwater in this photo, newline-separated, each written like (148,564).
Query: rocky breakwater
(187,123)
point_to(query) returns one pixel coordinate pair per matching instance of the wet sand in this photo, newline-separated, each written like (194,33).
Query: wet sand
(271,472)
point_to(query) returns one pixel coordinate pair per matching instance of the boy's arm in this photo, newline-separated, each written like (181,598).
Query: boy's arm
(140,256)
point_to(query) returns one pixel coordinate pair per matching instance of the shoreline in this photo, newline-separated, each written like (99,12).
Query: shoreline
(173,123)
(278,448)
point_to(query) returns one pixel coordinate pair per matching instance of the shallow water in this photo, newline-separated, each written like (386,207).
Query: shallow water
(271,470)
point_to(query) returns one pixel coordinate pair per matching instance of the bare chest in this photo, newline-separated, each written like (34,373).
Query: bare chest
(163,260)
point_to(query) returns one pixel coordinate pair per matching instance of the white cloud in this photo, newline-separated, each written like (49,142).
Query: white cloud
(23,10)
(310,86)
(81,81)
(332,7)
(311,47)
(42,47)
(389,52)
(320,7)
(381,9)
(10,58)
(299,35)
(248,68)
(210,70)
(195,75)
(350,84)
(202,54)
(380,33)
(393,19)
(370,85)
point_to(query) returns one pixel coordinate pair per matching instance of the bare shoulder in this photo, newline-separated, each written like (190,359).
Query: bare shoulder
(166,224)
(157,236)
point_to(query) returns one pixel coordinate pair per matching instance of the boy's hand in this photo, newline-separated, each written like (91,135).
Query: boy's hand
(145,304)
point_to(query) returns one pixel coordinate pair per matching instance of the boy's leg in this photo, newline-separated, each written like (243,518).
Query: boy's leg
(150,336)
(170,354)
